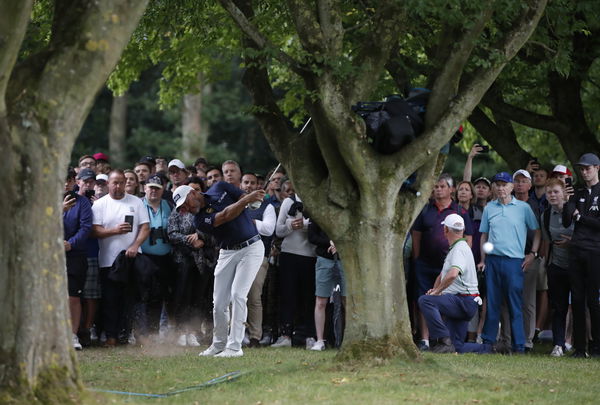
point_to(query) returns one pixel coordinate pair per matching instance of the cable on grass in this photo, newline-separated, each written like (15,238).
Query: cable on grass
(224,378)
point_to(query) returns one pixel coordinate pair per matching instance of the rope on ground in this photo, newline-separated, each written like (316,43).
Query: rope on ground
(224,378)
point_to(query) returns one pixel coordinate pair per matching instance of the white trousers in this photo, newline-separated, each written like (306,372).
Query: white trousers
(234,274)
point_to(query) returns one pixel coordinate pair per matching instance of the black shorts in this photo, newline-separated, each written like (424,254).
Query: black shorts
(76,272)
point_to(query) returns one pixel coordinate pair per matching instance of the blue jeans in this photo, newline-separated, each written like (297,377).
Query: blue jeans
(504,280)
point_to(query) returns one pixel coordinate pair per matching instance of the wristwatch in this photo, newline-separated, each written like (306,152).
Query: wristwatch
(535,254)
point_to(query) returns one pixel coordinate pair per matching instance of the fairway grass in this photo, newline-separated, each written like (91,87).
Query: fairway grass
(296,376)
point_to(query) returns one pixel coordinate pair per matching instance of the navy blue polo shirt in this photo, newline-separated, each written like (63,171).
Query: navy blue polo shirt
(434,245)
(217,198)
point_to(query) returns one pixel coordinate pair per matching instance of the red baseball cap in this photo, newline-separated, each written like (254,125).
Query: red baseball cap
(101,156)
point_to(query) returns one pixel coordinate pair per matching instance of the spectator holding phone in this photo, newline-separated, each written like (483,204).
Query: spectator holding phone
(566,176)
(475,150)
(86,180)
(120,223)
(77,221)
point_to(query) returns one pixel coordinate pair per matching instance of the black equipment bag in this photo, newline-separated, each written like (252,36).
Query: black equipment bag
(395,122)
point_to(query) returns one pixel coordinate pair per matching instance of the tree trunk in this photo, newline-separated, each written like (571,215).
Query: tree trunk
(118,131)
(37,361)
(377,316)
(44,104)
(193,127)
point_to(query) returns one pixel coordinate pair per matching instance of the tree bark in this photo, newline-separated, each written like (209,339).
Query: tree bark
(117,132)
(194,128)
(47,99)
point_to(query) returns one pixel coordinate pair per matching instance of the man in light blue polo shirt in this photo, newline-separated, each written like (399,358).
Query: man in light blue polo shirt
(504,225)
(158,249)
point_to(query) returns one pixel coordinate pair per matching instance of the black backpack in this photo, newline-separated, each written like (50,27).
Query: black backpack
(395,122)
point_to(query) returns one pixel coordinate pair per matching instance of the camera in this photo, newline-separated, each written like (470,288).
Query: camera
(90,193)
(295,208)
(158,233)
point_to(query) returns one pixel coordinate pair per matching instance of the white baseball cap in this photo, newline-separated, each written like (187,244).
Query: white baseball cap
(102,177)
(523,173)
(176,162)
(454,221)
(180,195)
(561,169)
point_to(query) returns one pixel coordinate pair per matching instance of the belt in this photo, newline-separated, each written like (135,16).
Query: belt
(468,295)
(243,244)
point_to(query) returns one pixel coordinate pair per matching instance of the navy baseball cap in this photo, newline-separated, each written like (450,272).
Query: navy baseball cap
(502,176)
(86,173)
(588,159)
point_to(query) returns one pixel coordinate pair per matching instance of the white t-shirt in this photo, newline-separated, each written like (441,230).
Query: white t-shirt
(109,213)
(461,257)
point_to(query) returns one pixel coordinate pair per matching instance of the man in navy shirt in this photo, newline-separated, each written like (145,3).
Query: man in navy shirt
(77,221)
(430,246)
(222,212)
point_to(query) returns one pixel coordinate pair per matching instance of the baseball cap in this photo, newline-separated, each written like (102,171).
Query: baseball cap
(101,156)
(180,195)
(523,173)
(454,221)
(155,181)
(502,176)
(484,179)
(147,160)
(86,174)
(588,159)
(177,163)
(560,169)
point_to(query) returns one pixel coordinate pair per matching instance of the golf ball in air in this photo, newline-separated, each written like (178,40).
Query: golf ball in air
(488,247)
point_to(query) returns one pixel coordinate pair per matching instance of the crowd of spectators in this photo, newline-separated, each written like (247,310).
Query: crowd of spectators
(141,270)
(534,239)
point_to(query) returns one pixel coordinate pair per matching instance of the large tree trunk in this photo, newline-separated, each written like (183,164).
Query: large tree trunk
(117,132)
(376,310)
(44,104)
(193,127)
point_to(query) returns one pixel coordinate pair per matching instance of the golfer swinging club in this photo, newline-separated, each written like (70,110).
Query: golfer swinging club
(221,212)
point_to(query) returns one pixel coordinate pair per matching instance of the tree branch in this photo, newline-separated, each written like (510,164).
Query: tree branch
(14,16)
(522,116)
(375,50)
(261,42)
(446,84)
(501,136)
(330,22)
(307,26)
(76,63)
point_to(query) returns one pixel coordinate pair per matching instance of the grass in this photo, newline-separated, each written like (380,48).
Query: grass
(296,376)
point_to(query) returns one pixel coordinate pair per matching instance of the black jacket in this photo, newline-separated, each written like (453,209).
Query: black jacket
(137,274)
(318,237)
(587,229)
